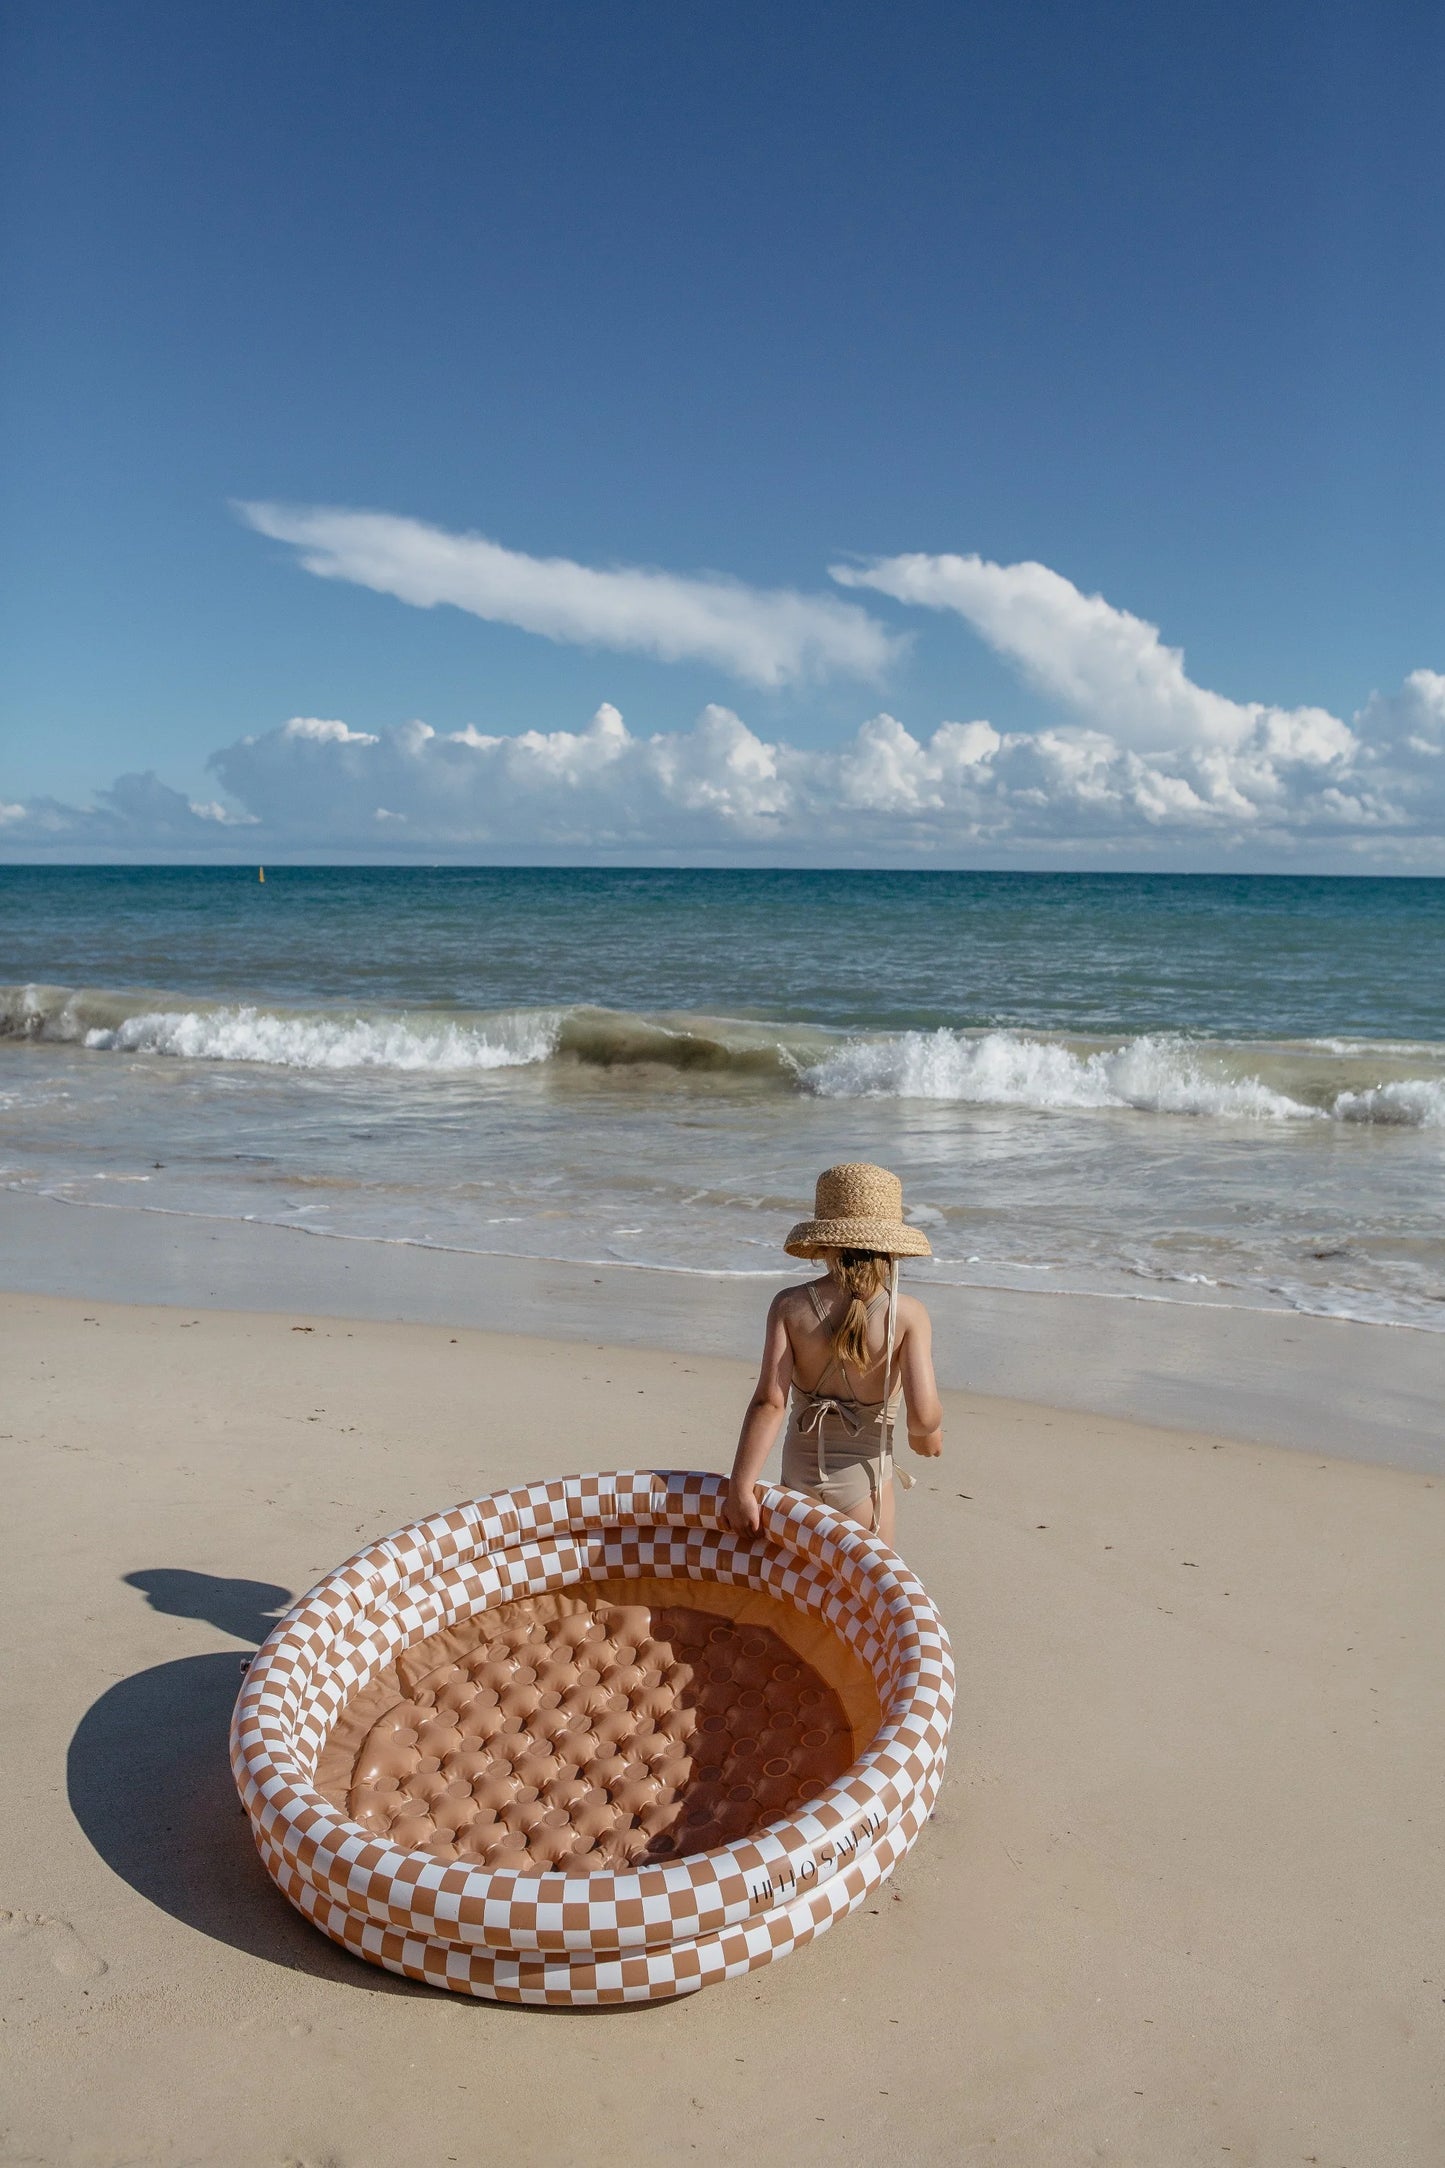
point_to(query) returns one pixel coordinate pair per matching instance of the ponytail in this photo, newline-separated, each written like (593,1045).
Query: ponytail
(861,1274)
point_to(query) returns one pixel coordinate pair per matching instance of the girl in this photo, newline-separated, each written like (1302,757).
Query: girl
(848,1345)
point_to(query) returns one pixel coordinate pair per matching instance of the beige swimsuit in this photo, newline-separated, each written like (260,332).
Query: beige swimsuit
(837,1447)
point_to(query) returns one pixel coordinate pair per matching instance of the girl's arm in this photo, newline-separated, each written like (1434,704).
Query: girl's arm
(920,1387)
(761,1424)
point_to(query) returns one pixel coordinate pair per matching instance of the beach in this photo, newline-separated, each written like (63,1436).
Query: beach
(329,1202)
(1180,1901)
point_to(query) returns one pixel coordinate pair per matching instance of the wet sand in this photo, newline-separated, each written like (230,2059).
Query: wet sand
(1367,1392)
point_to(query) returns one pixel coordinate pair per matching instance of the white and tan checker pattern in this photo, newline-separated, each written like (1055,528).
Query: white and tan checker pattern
(584,1938)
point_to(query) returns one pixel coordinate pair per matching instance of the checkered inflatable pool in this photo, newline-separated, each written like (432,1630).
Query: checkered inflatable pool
(557,1938)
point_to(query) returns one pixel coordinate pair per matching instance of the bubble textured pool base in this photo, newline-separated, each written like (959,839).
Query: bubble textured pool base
(663,1927)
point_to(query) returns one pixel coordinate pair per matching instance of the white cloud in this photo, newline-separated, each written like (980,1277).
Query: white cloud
(317,732)
(1110,667)
(1148,766)
(720,786)
(1406,730)
(769,637)
(720,790)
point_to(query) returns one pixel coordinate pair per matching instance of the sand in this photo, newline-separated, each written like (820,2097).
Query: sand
(1181,1902)
(1262,1375)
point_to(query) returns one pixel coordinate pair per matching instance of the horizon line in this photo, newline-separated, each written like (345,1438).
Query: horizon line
(463,865)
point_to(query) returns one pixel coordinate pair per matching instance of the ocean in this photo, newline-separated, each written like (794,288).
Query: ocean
(1192,1088)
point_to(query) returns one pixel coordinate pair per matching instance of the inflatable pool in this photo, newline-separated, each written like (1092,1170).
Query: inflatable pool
(579,1744)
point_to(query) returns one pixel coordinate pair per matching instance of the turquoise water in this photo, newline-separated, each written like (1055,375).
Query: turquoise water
(1201,1087)
(1241,957)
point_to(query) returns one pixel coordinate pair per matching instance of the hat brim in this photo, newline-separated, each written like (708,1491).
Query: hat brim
(890,1238)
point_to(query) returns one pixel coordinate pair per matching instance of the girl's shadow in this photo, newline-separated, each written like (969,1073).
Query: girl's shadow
(247,1609)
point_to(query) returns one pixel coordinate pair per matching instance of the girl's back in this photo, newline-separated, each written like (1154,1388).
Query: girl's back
(827,1352)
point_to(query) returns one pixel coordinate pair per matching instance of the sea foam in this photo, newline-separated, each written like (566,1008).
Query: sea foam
(1412,1103)
(324,1042)
(1151,1073)
(1004,1068)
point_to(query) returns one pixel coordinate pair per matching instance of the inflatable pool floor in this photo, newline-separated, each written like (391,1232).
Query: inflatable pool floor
(588,1734)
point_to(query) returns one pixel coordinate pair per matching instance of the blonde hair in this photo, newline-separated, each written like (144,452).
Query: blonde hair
(861,1274)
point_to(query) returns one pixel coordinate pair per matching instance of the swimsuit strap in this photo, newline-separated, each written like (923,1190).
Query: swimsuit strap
(834,1361)
(811,1289)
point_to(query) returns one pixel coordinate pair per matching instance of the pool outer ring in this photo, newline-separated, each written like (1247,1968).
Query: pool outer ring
(841,1810)
(553,1937)
(335,1881)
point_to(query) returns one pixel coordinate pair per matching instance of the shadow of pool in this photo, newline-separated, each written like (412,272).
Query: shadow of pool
(149,1781)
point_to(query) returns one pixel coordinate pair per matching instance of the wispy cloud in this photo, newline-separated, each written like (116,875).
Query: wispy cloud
(766,636)
(1103,663)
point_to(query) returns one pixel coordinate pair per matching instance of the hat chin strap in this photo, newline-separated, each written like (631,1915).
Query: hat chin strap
(885,1458)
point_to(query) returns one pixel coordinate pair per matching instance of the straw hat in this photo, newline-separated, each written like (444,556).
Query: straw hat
(858,1207)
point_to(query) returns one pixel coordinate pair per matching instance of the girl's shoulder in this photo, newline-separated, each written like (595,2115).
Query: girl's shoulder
(795,1305)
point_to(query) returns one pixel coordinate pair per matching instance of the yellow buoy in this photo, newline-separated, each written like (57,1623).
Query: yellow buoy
(260,873)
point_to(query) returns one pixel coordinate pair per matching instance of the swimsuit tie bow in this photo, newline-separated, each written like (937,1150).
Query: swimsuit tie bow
(822,1405)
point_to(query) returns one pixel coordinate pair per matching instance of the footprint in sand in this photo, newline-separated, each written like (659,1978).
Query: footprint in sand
(47,1937)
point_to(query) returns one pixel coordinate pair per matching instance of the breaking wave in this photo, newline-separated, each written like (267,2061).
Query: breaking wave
(107,1023)
(415,1039)
(1008,1069)
(1351,1082)
(1153,1073)
(1411,1103)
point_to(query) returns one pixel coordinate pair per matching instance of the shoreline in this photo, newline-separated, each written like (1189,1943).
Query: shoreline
(1205,1295)
(1361,1391)
(1176,1903)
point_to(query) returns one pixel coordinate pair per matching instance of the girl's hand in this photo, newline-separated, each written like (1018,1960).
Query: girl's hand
(929,1444)
(743,1512)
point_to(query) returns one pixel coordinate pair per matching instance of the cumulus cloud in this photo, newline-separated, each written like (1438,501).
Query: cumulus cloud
(1403,734)
(720,790)
(1143,765)
(138,813)
(770,637)
(1105,664)
(720,785)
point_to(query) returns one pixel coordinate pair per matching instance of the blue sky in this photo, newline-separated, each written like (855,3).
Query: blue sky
(1148,297)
